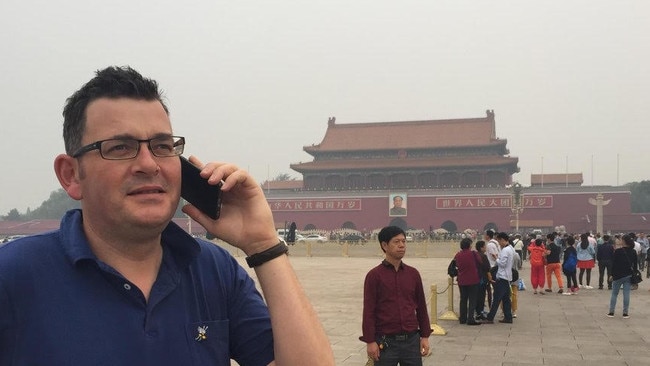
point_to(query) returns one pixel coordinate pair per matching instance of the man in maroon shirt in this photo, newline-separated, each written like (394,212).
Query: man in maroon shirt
(395,324)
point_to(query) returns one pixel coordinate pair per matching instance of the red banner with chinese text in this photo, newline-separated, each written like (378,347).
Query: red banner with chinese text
(454,203)
(316,205)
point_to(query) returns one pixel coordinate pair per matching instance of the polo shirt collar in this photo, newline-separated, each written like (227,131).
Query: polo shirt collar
(182,246)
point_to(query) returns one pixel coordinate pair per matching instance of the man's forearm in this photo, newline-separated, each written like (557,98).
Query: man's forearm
(298,335)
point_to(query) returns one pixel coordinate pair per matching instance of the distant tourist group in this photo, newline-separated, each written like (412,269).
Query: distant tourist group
(490,271)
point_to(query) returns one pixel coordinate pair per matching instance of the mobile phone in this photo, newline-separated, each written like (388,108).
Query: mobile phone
(196,190)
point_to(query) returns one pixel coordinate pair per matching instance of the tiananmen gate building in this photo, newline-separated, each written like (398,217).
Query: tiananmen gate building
(454,174)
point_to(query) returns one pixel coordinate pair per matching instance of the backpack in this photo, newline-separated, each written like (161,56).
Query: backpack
(570,263)
(452,270)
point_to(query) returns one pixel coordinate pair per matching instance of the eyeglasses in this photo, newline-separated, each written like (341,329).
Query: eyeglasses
(126,148)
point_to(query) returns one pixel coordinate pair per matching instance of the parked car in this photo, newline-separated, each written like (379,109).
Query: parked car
(353,238)
(314,238)
(12,238)
(297,239)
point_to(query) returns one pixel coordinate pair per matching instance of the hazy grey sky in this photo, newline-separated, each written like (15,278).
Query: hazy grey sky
(252,82)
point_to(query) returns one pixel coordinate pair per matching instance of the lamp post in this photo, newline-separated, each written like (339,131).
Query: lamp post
(517,206)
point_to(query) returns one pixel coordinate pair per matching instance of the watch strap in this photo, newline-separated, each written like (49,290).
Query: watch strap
(273,252)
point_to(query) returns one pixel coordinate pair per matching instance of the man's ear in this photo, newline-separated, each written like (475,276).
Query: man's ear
(67,172)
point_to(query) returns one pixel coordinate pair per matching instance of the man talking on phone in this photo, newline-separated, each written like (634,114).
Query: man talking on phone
(119,283)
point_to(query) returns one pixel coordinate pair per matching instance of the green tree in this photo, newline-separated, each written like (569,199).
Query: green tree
(54,207)
(13,215)
(640,196)
(282,177)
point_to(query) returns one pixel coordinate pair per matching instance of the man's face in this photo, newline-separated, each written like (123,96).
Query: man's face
(502,242)
(397,201)
(138,193)
(396,247)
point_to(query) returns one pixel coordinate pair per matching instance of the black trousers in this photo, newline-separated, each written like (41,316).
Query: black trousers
(571,281)
(602,266)
(406,353)
(468,296)
(480,298)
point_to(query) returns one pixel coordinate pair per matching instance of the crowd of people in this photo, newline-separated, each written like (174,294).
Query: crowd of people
(490,271)
(395,320)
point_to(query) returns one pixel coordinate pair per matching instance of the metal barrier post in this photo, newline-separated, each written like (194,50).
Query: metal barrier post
(346,249)
(437,330)
(450,314)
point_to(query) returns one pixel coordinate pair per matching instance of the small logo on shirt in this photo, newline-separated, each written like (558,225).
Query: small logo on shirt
(203,333)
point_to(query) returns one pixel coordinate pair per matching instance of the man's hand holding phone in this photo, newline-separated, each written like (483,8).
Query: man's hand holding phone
(198,191)
(245,219)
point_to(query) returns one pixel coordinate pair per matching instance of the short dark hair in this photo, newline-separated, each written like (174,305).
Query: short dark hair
(629,239)
(570,240)
(387,233)
(466,243)
(479,244)
(489,233)
(503,235)
(112,82)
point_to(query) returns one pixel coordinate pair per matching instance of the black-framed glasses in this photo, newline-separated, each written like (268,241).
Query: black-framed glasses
(127,148)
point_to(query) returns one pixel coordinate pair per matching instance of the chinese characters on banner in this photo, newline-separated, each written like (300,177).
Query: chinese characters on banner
(316,205)
(443,203)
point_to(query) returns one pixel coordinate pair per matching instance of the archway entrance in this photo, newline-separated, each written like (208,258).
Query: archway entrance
(450,226)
